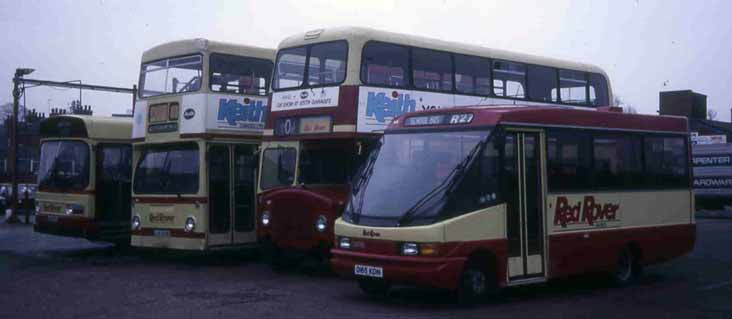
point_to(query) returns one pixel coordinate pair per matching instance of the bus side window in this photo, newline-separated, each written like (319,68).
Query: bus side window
(666,163)
(617,161)
(509,79)
(568,161)
(117,163)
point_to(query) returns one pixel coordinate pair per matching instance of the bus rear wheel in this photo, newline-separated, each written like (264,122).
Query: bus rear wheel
(628,268)
(374,287)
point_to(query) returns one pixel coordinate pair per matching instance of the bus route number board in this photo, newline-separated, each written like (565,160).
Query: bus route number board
(368,271)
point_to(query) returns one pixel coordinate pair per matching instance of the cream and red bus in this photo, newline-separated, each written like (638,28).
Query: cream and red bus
(84,177)
(197,129)
(475,198)
(335,90)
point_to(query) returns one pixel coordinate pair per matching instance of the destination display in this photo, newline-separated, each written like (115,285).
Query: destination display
(303,125)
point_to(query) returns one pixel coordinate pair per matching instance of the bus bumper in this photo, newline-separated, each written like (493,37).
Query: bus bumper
(180,243)
(64,225)
(434,272)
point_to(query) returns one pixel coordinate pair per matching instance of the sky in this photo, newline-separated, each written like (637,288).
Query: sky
(645,46)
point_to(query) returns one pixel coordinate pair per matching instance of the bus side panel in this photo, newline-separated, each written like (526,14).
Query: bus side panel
(588,231)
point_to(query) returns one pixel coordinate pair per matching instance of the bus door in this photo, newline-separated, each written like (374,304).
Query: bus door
(231,181)
(524,198)
(113,178)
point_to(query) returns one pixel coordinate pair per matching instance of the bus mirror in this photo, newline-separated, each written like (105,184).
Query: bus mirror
(175,85)
(359,145)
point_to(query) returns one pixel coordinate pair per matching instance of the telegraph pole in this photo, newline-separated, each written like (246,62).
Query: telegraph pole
(13,147)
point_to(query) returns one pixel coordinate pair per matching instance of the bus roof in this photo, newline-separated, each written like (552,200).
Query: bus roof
(543,116)
(361,35)
(199,45)
(86,126)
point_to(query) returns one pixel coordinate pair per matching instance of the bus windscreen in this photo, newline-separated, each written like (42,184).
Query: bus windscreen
(64,165)
(168,169)
(170,76)
(428,168)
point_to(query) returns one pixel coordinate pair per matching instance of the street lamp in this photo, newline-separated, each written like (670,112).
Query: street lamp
(13,147)
(20,72)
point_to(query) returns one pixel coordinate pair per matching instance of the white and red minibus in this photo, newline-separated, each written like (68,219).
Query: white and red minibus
(475,198)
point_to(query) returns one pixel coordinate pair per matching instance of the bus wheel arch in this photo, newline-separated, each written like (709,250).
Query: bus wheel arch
(478,278)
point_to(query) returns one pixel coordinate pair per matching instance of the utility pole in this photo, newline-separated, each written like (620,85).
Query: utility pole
(13,147)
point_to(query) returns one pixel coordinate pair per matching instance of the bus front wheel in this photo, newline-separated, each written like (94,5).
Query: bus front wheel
(474,284)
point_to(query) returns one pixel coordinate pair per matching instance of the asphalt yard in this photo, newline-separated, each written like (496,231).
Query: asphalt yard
(54,277)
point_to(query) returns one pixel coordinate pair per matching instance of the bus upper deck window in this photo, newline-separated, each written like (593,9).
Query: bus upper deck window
(239,75)
(384,64)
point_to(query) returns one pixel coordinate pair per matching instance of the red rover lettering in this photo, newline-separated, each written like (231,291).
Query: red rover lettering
(586,211)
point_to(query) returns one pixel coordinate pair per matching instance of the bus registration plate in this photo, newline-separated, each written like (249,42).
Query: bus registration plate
(52,219)
(368,271)
(161,233)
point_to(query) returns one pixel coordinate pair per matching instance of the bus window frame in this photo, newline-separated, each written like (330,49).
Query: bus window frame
(295,172)
(267,80)
(172,146)
(590,134)
(91,161)
(142,75)
(306,71)
(410,80)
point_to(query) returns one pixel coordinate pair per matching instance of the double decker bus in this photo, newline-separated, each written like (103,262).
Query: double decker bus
(335,90)
(476,198)
(196,133)
(84,178)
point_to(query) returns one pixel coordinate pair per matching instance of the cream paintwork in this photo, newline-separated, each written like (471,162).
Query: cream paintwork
(344,128)
(165,242)
(178,212)
(103,127)
(515,266)
(85,200)
(672,207)
(484,224)
(203,46)
(534,264)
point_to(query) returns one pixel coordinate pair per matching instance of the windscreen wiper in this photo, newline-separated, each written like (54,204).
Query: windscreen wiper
(363,179)
(447,183)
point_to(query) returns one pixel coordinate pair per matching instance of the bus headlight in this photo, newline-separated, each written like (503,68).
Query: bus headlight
(136,224)
(190,224)
(321,223)
(38,208)
(265,218)
(410,249)
(344,243)
(74,209)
